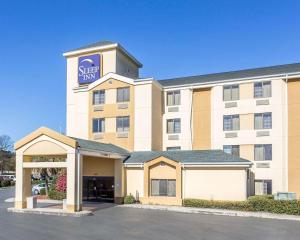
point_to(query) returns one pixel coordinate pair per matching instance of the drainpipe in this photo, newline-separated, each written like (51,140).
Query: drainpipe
(287,132)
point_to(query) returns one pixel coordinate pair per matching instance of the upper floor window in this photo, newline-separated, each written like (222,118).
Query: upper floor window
(263,152)
(173,98)
(173,148)
(122,124)
(232,149)
(231,122)
(262,89)
(123,94)
(263,120)
(98,97)
(231,92)
(173,125)
(98,125)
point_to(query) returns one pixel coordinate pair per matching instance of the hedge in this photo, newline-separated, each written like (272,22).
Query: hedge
(5,183)
(57,195)
(255,204)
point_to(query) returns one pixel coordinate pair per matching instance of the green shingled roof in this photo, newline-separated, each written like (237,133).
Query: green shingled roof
(233,75)
(103,147)
(191,156)
(96,44)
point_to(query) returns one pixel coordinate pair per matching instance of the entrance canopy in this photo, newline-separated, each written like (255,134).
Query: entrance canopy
(48,144)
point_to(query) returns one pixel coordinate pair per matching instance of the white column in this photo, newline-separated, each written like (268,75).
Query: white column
(23,183)
(71,182)
(74,182)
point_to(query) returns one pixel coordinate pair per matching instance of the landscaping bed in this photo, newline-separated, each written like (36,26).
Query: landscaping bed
(253,204)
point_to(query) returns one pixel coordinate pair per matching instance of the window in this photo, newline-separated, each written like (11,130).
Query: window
(232,149)
(173,148)
(98,97)
(231,122)
(263,152)
(231,93)
(98,125)
(262,89)
(263,187)
(163,187)
(122,124)
(173,125)
(123,94)
(173,98)
(263,120)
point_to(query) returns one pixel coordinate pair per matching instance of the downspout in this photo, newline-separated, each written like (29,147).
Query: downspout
(287,135)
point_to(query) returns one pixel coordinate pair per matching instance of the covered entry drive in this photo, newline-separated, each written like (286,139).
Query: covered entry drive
(94,170)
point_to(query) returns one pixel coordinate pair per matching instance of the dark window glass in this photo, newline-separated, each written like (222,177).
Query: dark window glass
(123,94)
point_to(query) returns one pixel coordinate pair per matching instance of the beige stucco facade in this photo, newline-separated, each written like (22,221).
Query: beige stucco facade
(197,114)
(294,136)
(215,183)
(201,119)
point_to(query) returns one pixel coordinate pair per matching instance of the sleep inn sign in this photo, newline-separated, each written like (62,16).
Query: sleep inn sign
(88,68)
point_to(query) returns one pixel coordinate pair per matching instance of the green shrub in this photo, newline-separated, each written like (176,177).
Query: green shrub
(255,203)
(233,205)
(43,191)
(129,199)
(57,195)
(5,183)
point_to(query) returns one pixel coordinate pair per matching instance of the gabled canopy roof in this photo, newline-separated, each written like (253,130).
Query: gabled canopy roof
(71,141)
(102,147)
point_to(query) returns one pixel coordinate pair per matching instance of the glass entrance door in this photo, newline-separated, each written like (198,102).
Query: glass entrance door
(98,189)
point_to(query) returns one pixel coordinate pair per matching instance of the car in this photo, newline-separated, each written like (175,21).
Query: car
(36,189)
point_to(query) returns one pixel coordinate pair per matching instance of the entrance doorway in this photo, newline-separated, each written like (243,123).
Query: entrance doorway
(98,189)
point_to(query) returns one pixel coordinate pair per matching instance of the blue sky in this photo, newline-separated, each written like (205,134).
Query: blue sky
(171,38)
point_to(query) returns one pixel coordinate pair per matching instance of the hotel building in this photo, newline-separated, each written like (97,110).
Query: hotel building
(222,136)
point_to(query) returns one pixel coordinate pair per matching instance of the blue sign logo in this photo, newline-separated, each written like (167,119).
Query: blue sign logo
(88,68)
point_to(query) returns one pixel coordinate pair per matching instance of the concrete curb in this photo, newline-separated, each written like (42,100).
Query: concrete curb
(10,200)
(212,211)
(50,211)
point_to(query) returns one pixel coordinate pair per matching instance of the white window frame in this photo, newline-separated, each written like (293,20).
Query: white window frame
(264,146)
(231,123)
(262,95)
(173,97)
(172,131)
(100,127)
(263,119)
(124,129)
(98,92)
(230,87)
(121,98)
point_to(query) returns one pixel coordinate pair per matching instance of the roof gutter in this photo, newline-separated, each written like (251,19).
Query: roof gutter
(210,84)
(85,151)
(217,164)
(141,165)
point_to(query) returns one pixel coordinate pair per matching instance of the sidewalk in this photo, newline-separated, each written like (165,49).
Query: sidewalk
(213,211)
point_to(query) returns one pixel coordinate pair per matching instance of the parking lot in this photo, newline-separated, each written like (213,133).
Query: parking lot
(128,223)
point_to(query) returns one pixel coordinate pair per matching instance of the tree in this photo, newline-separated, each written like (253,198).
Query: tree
(6,144)
(7,157)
